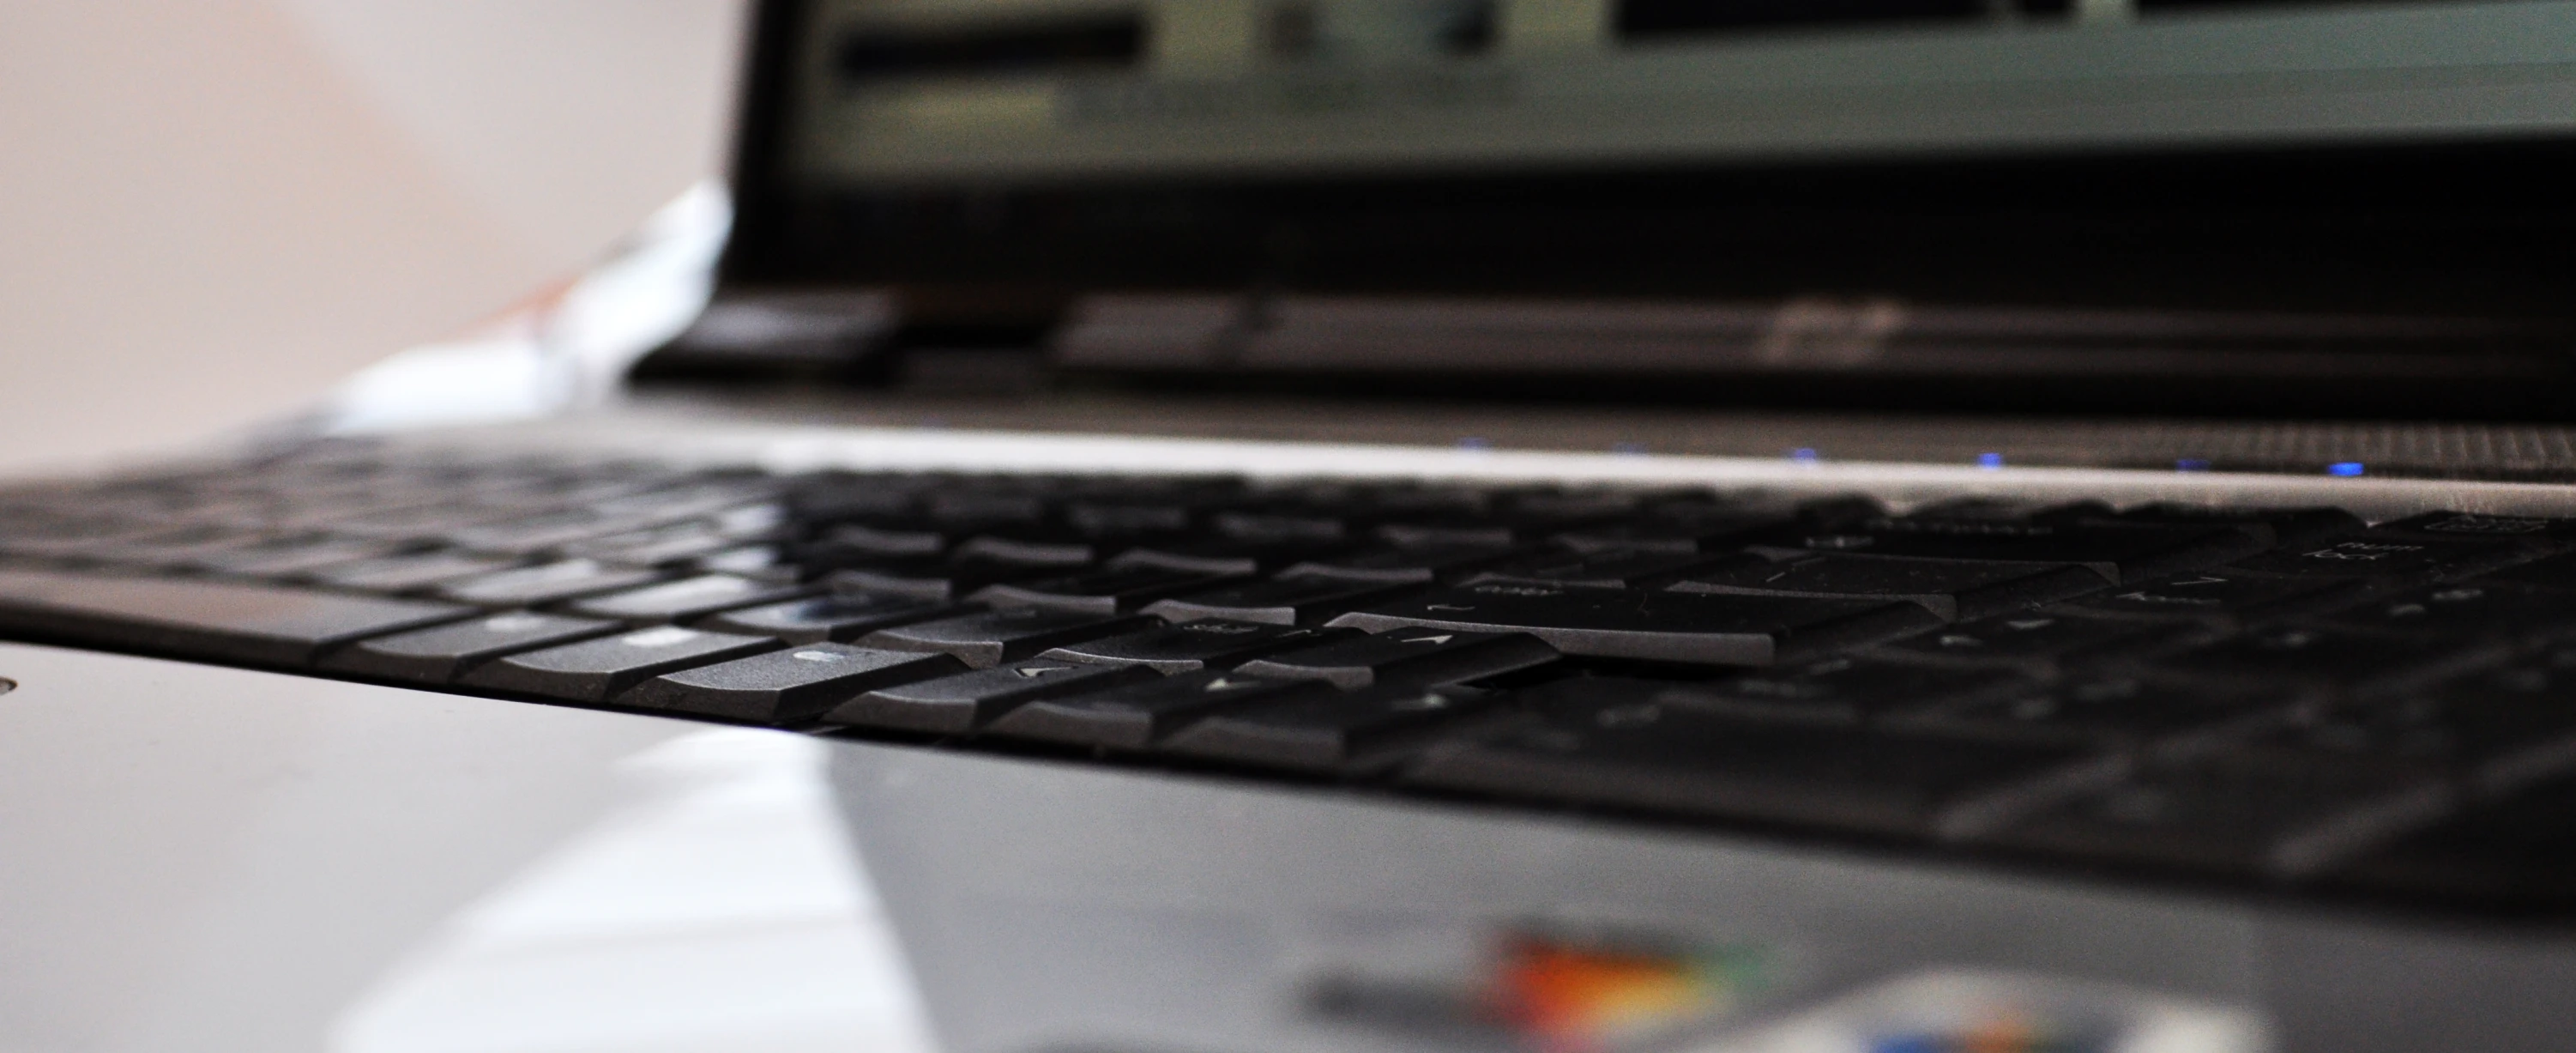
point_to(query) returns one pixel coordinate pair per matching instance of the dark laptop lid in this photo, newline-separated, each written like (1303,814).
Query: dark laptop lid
(1603,190)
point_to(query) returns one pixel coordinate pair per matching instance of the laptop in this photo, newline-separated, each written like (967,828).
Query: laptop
(1561,525)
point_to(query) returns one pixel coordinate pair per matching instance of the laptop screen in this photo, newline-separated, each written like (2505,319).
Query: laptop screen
(1623,170)
(896,93)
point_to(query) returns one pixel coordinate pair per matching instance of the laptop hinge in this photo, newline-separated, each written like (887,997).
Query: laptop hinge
(1302,333)
(780,332)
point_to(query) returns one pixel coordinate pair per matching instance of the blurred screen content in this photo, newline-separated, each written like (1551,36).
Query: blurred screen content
(897,91)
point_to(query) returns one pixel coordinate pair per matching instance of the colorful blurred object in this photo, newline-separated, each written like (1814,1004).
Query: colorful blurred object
(2000,1033)
(1567,997)
(1950,1010)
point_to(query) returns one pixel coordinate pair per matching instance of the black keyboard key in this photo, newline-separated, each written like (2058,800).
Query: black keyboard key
(1344,515)
(759,520)
(1277,601)
(1111,591)
(1407,656)
(1191,646)
(2298,654)
(2254,814)
(607,545)
(440,655)
(600,670)
(721,500)
(1680,528)
(990,638)
(930,579)
(969,700)
(2464,608)
(545,583)
(669,546)
(686,599)
(414,522)
(2045,639)
(1285,523)
(1611,570)
(1950,589)
(2006,512)
(1491,529)
(1615,742)
(2270,526)
(1841,690)
(1041,549)
(1224,555)
(2391,556)
(534,535)
(833,498)
(1660,626)
(1809,508)
(1324,731)
(764,562)
(1589,502)
(2516,853)
(222,621)
(69,538)
(984,510)
(1111,519)
(176,547)
(858,543)
(290,557)
(839,617)
(2556,573)
(2114,712)
(2492,731)
(894,537)
(1138,714)
(790,686)
(1195,493)
(1390,499)
(2222,597)
(409,573)
(1403,566)
(2116,553)
(2475,525)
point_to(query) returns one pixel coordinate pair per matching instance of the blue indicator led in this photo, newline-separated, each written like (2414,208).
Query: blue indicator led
(1628,449)
(1804,455)
(2191,464)
(2344,468)
(1473,443)
(1990,460)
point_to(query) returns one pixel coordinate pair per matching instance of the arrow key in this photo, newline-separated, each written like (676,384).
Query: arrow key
(2221,596)
(1408,656)
(1328,730)
(1191,646)
(784,687)
(2043,639)
(1138,714)
(989,638)
(970,700)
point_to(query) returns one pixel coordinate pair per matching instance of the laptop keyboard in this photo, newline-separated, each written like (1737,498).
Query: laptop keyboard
(2286,699)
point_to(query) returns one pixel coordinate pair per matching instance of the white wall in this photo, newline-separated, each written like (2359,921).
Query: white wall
(210,210)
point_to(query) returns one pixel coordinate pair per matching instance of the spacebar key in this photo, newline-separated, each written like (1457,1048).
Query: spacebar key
(1662,626)
(202,619)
